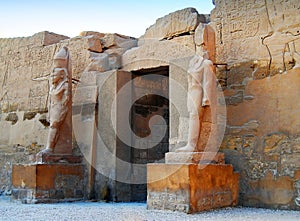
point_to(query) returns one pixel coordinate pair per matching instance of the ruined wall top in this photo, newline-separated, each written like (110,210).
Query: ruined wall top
(174,24)
(256,30)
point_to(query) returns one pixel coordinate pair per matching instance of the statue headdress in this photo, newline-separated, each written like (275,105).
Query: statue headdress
(62,59)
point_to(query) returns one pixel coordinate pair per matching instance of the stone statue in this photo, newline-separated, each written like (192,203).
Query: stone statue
(60,105)
(201,91)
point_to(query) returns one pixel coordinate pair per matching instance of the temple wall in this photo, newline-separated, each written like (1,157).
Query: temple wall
(254,44)
(25,65)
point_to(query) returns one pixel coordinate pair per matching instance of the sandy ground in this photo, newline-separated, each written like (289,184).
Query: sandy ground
(129,211)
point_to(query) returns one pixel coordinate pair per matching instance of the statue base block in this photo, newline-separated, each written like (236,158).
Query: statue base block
(57,158)
(191,188)
(195,157)
(48,183)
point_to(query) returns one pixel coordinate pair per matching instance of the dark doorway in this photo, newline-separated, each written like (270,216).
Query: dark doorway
(151,94)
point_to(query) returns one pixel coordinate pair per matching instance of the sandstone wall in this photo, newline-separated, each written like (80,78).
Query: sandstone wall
(257,43)
(25,64)
(257,30)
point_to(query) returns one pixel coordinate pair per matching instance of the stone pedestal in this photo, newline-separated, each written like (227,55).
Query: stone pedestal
(58,158)
(47,183)
(195,157)
(191,187)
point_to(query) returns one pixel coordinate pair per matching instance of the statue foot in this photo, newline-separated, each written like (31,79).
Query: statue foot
(187,148)
(297,201)
(45,151)
(43,154)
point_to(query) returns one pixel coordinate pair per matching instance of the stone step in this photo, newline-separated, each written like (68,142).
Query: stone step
(195,157)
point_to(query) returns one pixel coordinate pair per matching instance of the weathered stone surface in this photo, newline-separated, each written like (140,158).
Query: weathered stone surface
(50,38)
(115,57)
(155,54)
(266,179)
(262,132)
(190,188)
(99,63)
(42,183)
(21,132)
(93,43)
(186,41)
(272,141)
(205,41)
(44,38)
(271,192)
(248,30)
(25,63)
(176,23)
(118,41)
(89,33)
(254,40)
(194,157)
(178,108)
(273,106)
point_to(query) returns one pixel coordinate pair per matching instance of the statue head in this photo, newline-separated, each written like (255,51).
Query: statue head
(61,59)
(58,75)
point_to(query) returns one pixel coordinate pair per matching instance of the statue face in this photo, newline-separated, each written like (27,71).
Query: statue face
(57,76)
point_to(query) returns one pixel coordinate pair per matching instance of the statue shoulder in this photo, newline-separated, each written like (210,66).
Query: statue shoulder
(208,62)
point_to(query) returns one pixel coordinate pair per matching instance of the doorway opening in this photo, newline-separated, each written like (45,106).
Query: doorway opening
(150,91)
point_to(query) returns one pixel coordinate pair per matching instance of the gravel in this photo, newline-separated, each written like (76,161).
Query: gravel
(130,211)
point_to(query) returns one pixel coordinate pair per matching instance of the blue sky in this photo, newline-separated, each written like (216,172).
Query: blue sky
(69,17)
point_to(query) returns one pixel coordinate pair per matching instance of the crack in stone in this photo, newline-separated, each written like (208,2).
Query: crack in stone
(268,49)
(267,10)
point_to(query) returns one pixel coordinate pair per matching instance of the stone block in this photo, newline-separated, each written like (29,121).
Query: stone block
(191,188)
(195,157)
(118,41)
(50,38)
(99,63)
(186,41)
(89,33)
(115,57)
(39,183)
(93,43)
(154,54)
(24,176)
(85,95)
(174,24)
(271,192)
